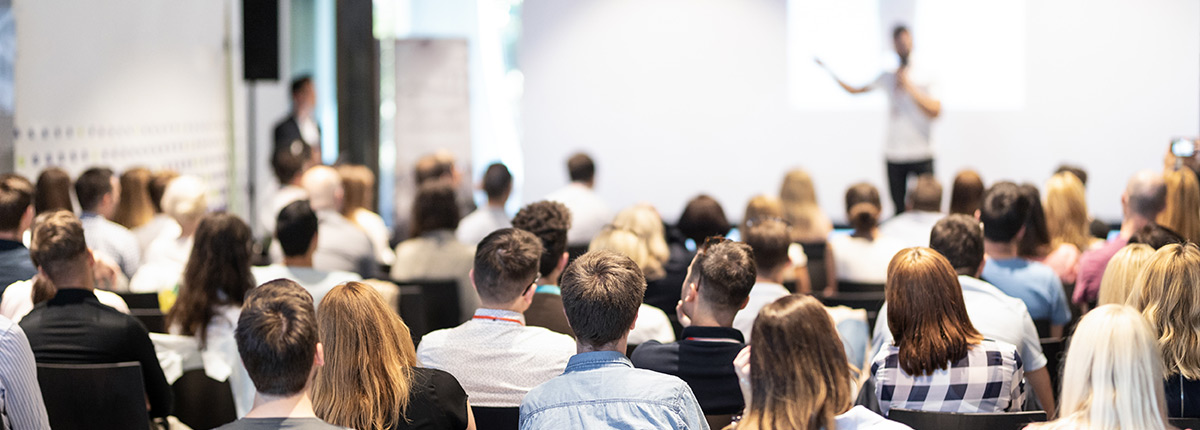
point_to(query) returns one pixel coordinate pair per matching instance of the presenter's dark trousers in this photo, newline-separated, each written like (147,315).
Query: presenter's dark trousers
(898,174)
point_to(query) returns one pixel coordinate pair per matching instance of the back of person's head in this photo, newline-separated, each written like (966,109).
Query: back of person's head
(324,187)
(770,240)
(601,294)
(762,207)
(300,84)
(53,191)
(290,162)
(185,200)
(369,360)
(57,246)
(295,228)
(135,207)
(644,221)
(91,186)
(629,244)
(863,207)
(1167,292)
(16,199)
(497,181)
(1073,170)
(926,194)
(960,239)
(1067,212)
(434,208)
(1035,243)
(158,186)
(724,272)
(926,312)
(549,221)
(1146,194)
(581,168)
(702,218)
(217,273)
(1156,236)
(1182,210)
(1122,272)
(358,185)
(1113,377)
(435,166)
(798,197)
(506,265)
(1004,212)
(966,194)
(277,337)
(799,375)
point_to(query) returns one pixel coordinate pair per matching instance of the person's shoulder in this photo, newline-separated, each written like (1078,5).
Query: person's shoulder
(1002,347)
(651,354)
(549,339)
(860,417)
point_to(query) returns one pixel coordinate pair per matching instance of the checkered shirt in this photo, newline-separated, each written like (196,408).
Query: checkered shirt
(988,379)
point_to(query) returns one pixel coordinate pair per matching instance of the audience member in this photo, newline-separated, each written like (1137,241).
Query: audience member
(1164,293)
(134,209)
(717,286)
(1112,378)
(16,216)
(1122,272)
(1066,221)
(497,184)
(53,191)
(994,314)
(370,380)
(495,356)
(652,322)
(966,194)
(215,282)
(549,221)
(441,165)
(73,327)
(277,339)
(810,229)
(296,231)
(22,401)
(602,291)
(1035,240)
(288,166)
(863,255)
(1142,201)
(795,375)
(99,194)
(341,245)
(588,211)
(769,240)
(1156,236)
(1005,216)
(185,201)
(662,285)
(912,227)
(161,224)
(702,218)
(432,251)
(299,132)
(764,207)
(1182,210)
(937,360)
(1098,229)
(358,183)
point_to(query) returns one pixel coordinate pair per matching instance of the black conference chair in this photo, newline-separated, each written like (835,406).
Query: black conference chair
(203,403)
(859,287)
(429,304)
(1185,423)
(94,396)
(1043,328)
(1054,350)
(144,307)
(922,420)
(496,418)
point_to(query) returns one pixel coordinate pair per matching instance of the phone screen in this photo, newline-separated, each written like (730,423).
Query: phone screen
(1183,147)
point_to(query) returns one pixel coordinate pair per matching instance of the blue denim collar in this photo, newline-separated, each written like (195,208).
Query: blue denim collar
(595,360)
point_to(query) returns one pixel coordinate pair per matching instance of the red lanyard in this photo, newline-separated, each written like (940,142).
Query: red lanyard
(489,317)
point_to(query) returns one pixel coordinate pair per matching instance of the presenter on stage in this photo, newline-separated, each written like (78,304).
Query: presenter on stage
(910,117)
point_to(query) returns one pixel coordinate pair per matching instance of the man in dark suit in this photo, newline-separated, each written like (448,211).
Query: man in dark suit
(300,128)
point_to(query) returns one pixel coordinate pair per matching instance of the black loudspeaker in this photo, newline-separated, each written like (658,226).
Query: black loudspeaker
(260,40)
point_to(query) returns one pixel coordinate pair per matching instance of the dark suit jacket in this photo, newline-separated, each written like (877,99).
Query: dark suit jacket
(547,311)
(75,328)
(288,131)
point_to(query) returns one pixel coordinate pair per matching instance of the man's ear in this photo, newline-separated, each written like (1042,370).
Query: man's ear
(319,358)
(562,262)
(977,215)
(529,292)
(692,292)
(473,284)
(745,302)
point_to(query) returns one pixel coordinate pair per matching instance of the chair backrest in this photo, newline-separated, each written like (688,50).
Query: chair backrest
(94,396)
(496,418)
(436,304)
(1043,328)
(1054,350)
(144,307)
(412,311)
(1185,423)
(858,287)
(922,420)
(203,403)
(140,300)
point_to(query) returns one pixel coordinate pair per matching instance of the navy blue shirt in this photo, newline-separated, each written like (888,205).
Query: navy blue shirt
(703,357)
(15,264)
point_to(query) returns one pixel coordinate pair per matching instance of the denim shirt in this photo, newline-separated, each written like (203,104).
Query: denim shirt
(602,390)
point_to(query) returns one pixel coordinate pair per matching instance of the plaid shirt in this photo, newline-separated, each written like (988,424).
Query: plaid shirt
(988,379)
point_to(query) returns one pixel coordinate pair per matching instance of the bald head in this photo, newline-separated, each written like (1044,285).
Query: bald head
(1146,194)
(324,188)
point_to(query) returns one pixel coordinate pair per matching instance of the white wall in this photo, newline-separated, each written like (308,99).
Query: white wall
(678,97)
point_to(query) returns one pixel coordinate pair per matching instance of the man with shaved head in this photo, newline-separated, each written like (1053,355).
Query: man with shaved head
(341,245)
(1144,197)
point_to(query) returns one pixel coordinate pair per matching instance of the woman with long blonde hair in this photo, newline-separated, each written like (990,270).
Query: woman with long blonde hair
(1166,294)
(1122,272)
(795,374)
(1067,223)
(1112,378)
(1182,213)
(799,200)
(358,199)
(370,380)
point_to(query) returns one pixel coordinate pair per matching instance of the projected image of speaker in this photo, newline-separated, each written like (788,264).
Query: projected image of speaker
(260,40)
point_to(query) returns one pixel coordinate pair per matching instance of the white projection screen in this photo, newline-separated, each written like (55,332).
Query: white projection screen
(678,97)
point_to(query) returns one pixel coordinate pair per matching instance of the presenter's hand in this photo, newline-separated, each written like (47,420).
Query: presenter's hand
(819,63)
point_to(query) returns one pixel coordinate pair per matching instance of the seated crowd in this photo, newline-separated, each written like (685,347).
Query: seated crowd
(571,315)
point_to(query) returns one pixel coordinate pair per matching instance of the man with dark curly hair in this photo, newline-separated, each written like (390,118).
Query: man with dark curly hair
(549,221)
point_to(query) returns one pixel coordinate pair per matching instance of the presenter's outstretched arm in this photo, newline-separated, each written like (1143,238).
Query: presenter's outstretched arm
(849,88)
(931,106)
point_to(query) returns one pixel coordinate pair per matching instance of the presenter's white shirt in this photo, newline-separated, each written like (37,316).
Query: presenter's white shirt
(908,131)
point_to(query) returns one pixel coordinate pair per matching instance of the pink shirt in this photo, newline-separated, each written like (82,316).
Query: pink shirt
(1065,262)
(1091,270)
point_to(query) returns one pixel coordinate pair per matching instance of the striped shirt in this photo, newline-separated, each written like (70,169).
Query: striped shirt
(987,379)
(20,396)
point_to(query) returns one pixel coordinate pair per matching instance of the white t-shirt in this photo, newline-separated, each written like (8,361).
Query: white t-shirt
(861,260)
(18,300)
(652,324)
(589,213)
(761,294)
(911,228)
(480,223)
(908,132)
(317,282)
